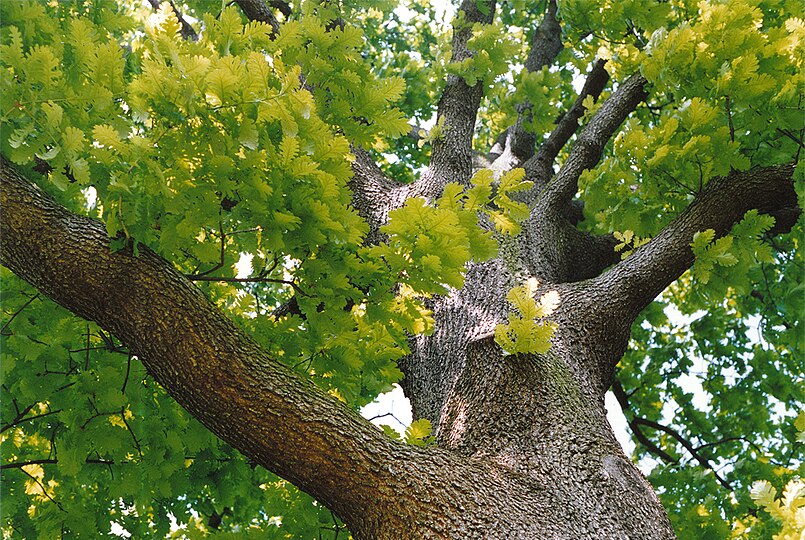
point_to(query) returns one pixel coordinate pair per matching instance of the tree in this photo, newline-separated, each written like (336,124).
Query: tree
(226,233)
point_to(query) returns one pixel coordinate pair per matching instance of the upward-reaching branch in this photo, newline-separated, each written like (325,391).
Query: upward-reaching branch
(451,160)
(539,168)
(589,145)
(546,44)
(374,194)
(633,283)
(202,359)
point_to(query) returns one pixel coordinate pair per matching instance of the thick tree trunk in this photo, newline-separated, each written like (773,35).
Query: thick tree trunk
(531,416)
(524,448)
(524,451)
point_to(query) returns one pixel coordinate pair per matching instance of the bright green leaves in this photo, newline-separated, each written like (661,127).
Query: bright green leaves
(713,48)
(419,432)
(619,29)
(786,509)
(727,95)
(506,214)
(628,242)
(741,251)
(526,331)
(739,63)
(108,435)
(492,48)
(53,86)
(349,95)
(710,253)
(429,246)
(542,91)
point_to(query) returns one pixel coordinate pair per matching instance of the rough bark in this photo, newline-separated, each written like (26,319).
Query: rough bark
(478,486)
(451,158)
(524,448)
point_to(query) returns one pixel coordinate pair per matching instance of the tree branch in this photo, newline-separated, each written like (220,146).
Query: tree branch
(14,316)
(589,145)
(539,169)
(258,10)
(704,462)
(374,194)
(632,284)
(284,7)
(636,422)
(22,418)
(451,157)
(623,401)
(21,464)
(546,44)
(204,361)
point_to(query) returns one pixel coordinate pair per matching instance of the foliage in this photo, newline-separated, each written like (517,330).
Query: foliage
(788,509)
(525,331)
(230,156)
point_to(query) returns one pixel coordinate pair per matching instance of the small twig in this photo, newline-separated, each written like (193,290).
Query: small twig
(96,415)
(86,352)
(134,437)
(128,371)
(257,279)
(18,421)
(14,316)
(688,446)
(44,491)
(791,136)
(20,414)
(20,464)
(384,415)
(687,189)
(729,119)
(623,401)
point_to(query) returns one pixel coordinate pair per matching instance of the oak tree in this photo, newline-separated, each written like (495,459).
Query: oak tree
(225,230)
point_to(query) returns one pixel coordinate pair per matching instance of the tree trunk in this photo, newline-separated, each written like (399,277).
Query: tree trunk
(524,449)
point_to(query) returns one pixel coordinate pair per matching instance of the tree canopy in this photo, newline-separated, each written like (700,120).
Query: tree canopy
(235,154)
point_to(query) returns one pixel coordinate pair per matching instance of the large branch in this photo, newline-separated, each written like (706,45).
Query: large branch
(200,357)
(546,44)
(632,284)
(539,168)
(374,194)
(451,158)
(589,146)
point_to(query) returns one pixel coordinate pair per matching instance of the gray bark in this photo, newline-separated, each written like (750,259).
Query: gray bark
(524,448)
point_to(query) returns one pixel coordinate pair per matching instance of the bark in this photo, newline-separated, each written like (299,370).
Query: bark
(257,10)
(524,448)
(538,480)
(451,158)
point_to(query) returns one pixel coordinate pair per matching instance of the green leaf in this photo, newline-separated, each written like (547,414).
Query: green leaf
(418,433)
